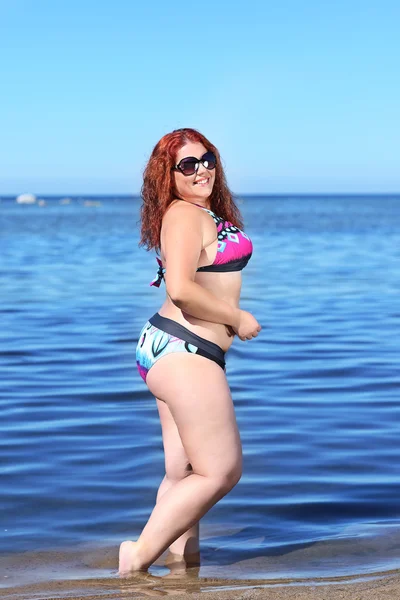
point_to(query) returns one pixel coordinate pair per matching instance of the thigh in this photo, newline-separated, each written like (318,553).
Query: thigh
(197,394)
(177,465)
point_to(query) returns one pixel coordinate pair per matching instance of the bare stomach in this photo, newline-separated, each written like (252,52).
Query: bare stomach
(225,286)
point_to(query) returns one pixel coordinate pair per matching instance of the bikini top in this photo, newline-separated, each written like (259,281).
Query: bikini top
(233,251)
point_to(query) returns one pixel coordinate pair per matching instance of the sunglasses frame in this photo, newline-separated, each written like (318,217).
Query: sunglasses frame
(197,161)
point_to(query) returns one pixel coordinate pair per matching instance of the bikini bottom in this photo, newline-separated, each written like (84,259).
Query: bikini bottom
(161,336)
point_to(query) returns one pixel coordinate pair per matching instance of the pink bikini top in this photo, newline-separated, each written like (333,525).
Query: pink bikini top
(233,252)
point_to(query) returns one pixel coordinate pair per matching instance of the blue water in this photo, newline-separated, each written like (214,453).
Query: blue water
(316,393)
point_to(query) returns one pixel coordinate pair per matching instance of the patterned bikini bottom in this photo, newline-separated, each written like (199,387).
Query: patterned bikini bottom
(161,336)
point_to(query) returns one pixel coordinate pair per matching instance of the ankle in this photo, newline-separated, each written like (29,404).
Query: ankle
(139,557)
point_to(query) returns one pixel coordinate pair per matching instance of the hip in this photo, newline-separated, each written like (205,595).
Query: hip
(216,333)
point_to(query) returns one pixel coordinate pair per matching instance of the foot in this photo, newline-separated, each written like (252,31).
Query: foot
(128,558)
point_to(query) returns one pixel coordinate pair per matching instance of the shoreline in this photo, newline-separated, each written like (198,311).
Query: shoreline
(377,586)
(91,573)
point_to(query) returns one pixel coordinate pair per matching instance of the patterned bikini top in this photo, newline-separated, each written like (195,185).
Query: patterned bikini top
(233,251)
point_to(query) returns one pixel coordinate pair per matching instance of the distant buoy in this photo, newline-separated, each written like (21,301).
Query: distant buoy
(26,199)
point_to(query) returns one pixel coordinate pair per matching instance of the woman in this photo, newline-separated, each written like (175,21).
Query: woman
(189,217)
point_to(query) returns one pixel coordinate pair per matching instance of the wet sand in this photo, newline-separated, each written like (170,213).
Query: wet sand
(92,575)
(386,588)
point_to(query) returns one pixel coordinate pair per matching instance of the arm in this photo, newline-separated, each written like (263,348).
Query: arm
(182,241)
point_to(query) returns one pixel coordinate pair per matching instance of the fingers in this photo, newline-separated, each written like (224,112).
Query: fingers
(250,336)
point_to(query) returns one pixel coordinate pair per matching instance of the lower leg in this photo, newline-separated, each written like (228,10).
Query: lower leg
(187,544)
(178,509)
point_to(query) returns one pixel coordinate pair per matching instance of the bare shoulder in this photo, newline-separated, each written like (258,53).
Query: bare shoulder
(182,229)
(183,213)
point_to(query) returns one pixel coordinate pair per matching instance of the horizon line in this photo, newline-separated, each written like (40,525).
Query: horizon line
(235,194)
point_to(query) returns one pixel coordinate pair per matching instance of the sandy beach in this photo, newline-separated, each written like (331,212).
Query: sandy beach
(385,588)
(90,572)
(90,576)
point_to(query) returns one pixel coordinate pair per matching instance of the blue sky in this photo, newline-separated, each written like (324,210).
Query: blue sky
(299,96)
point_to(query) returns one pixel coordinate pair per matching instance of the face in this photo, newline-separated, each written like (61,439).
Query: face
(199,185)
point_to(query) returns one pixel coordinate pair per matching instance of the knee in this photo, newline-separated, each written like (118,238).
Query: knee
(228,480)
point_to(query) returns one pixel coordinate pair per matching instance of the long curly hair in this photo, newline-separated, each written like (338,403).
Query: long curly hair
(158,189)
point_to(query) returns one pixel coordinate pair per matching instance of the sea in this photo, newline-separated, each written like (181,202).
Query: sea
(316,394)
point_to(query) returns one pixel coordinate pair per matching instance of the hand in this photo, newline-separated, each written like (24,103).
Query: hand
(246,326)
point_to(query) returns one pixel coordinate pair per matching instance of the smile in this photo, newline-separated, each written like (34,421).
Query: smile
(202,182)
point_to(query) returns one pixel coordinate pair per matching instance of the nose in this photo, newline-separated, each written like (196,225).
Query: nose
(201,171)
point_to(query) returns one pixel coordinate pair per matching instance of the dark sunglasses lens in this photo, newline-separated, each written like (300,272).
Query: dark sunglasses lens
(188,167)
(209,160)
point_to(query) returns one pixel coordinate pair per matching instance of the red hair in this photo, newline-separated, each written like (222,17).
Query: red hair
(158,189)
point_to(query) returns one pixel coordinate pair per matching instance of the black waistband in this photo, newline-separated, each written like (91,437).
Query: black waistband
(173,328)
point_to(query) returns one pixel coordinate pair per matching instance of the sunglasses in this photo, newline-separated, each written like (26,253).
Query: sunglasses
(190,165)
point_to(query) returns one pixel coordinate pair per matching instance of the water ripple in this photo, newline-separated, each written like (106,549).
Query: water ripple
(316,394)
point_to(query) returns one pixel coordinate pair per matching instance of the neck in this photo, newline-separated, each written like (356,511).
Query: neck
(195,203)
